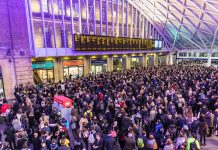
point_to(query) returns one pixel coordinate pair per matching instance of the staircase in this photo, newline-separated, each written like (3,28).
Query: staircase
(37,78)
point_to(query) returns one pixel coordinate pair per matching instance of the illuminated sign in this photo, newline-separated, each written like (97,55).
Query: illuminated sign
(103,43)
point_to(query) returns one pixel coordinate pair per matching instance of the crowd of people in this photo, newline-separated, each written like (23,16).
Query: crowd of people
(166,107)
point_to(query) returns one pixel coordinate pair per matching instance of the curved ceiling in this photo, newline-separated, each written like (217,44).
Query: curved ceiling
(185,24)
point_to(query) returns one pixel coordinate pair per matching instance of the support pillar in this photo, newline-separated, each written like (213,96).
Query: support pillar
(128,62)
(209,59)
(110,66)
(144,59)
(155,59)
(56,70)
(86,65)
(169,59)
(61,70)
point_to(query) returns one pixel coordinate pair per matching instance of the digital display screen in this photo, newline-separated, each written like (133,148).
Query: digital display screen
(158,44)
(103,43)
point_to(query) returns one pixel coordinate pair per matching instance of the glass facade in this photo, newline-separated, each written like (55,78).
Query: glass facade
(55,21)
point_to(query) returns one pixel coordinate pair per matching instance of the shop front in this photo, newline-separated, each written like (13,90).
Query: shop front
(150,60)
(162,59)
(137,61)
(119,63)
(98,66)
(43,72)
(1,85)
(73,68)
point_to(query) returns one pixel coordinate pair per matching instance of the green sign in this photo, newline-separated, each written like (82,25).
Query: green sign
(43,65)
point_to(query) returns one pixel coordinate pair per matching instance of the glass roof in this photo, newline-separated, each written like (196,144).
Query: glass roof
(185,24)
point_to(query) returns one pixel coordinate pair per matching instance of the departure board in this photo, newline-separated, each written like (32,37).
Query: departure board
(77,40)
(83,42)
(103,43)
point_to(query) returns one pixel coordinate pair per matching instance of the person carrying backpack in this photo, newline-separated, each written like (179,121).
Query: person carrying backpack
(141,141)
(192,143)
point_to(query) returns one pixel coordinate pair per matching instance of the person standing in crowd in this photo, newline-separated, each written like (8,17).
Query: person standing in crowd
(192,143)
(203,129)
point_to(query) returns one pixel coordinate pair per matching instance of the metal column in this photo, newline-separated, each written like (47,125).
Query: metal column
(94,19)
(71,17)
(209,59)
(43,24)
(63,24)
(136,22)
(143,28)
(87,16)
(53,20)
(127,21)
(146,29)
(139,28)
(117,18)
(100,17)
(80,17)
(123,19)
(112,19)
(131,23)
(106,17)
(31,24)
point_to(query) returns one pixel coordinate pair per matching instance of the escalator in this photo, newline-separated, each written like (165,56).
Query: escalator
(36,77)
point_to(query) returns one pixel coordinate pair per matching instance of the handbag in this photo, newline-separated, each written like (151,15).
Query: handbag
(113,133)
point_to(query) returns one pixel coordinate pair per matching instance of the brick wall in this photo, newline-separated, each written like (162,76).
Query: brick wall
(16,66)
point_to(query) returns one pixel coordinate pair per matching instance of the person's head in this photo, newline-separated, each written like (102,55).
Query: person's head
(151,136)
(130,135)
(36,134)
(194,135)
(169,141)
(53,141)
(43,145)
(181,134)
(144,133)
(98,136)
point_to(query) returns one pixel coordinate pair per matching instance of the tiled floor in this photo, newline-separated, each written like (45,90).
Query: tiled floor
(212,143)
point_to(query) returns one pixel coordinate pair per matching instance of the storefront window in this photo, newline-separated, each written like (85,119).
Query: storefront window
(43,72)
(73,68)
(98,66)
(117,63)
(74,71)
(137,61)
(1,85)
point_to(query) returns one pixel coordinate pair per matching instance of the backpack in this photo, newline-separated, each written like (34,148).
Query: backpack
(53,146)
(91,138)
(140,143)
(193,146)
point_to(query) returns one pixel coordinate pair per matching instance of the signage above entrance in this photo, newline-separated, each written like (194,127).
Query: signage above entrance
(43,65)
(73,63)
(103,43)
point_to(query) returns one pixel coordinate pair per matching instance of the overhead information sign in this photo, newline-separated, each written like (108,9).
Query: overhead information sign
(110,43)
